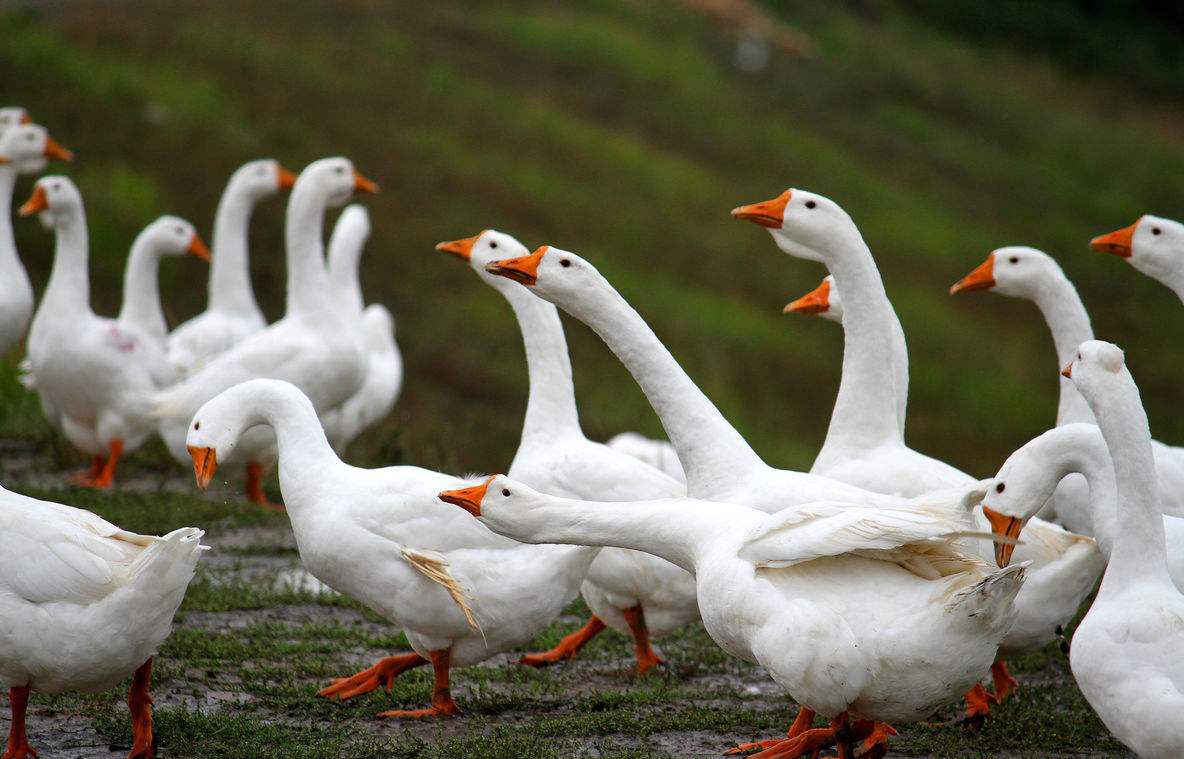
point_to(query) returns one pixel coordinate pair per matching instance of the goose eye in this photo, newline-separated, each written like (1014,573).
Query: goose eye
(1078,356)
(340,169)
(505,492)
(1155,230)
(180,230)
(197,425)
(492,244)
(999,488)
(1014,259)
(31,137)
(56,186)
(564,262)
(810,204)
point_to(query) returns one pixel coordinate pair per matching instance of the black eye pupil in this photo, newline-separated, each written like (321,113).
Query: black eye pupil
(493,244)
(197,425)
(505,492)
(999,488)
(810,204)
(1015,260)
(1155,230)
(564,263)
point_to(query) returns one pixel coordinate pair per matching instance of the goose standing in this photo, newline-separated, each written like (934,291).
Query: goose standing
(231,311)
(83,605)
(634,593)
(1128,652)
(24,149)
(314,346)
(460,592)
(857,612)
(95,376)
(1023,272)
(1153,245)
(864,444)
(384,364)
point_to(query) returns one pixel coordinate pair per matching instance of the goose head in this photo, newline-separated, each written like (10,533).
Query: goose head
(553,274)
(56,200)
(503,503)
(173,236)
(1153,245)
(257,180)
(334,179)
(1011,501)
(482,249)
(823,301)
(1095,369)
(1017,270)
(11,115)
(28,147)
(804,224)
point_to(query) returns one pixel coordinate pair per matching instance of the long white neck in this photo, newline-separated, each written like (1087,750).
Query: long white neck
(1139,554)
(69,279)
(712,452)
(345,253)
(229,285)
(1068,322)
(141,290)
(1173,278)
(309,290)
(866,412)
(11,271)
(551,406)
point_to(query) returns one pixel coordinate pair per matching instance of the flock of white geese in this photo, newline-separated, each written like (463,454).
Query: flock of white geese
(876,588)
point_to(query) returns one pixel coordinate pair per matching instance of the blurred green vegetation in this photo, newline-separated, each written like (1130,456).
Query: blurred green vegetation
(625,131)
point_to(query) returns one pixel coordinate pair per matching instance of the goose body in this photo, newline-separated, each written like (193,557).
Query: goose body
(378,534)
(659,454)
(231,311)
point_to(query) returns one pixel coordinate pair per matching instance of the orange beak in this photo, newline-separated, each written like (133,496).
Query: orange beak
(1007,527)
(462,249)
(1067,372)
(981,278)
(362,184)
(468,499)
(767,213)
(198,248)
(36,203)
(1117,242)
(205,463)
(284,179)
(56,151)
(816,302)
(524,270)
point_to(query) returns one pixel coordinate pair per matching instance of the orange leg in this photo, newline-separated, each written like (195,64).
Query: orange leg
(255,492)
(978,705)
(442,703)
(646,658)
(18,743)
(88,476)
(102,474)
(139,702)
(1005,684)
(801,724)
(568,647)
(382,673)
(875,743)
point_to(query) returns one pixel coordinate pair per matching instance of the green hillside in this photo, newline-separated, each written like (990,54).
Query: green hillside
(626,131)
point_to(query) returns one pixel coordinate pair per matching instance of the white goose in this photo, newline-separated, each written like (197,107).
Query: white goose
(634,593)
(1030,274)
(95,376)
(659,454)
(1128,652)
(1153,245)
(83,605)
(461,592)
(1030,475)
(12,115)
(857,612)
(864,445)
(384,364)
(314,346)
(24,149)
(231,311)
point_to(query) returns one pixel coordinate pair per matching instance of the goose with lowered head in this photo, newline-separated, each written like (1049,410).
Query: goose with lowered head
(96,376)
(1153,245)
(636,594)
(460,592)
(859,613)
(231,311)
(315,346)
(1030,274)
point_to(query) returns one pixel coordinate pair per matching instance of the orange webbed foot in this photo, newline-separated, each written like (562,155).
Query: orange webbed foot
(978,706)
(431,711)
(1005,684)
(382,673)
(810,743)
(647,658)
(567,648)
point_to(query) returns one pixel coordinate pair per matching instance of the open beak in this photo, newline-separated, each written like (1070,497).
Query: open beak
(468,499)
(198,248)
(36,203)
(56,151)
(981,278)
(1005,527)
(362,184)
(205,463)
(816,302)
(1067,372)
(524,270)
(462,249)
(767,213)
(285,179)
(1117,242)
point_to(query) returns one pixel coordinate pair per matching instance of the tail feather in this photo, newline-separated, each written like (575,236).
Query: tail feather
(435,567)
(179,550)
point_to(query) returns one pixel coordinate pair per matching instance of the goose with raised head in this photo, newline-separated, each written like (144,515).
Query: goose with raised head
(96,376)
(85,604)
(1153,245)
(314,346)
(1127,654)
(864,444)
(859,613)
(12,115)
(1030,274)
(24,149)
(384,364)
(231,311)
(633,593)
(460,592)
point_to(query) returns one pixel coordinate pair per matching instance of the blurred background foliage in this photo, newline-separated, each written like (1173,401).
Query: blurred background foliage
(625,130)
